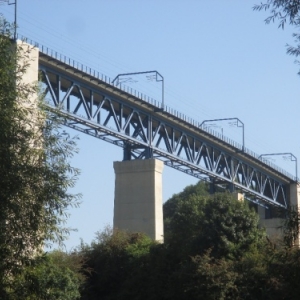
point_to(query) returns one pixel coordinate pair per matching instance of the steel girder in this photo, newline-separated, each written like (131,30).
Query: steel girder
(114,115)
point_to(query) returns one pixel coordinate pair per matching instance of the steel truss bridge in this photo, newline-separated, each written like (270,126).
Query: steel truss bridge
(118,115)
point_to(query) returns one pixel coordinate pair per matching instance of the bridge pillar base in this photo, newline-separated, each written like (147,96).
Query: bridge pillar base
(138,197)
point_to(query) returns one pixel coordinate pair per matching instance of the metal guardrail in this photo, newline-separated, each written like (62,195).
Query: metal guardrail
(79,66)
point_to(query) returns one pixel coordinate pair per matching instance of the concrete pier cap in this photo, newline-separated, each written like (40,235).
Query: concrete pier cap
(138,197)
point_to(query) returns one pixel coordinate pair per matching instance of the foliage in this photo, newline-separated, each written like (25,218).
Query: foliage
(218,222)
(170,207)
(51,276)
(213,249)
(290,227)
(272,273)
(285,11)
(34,166)
(114,258)
(210,278)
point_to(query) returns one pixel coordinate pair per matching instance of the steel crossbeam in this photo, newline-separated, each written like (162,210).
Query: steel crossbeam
(102,110)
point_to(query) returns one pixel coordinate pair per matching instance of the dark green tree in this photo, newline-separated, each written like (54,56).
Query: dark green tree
(117,262)
(211,250)
(56,275)
(34,165)
(207,239)
(172,207)
(290,227)
(219,222)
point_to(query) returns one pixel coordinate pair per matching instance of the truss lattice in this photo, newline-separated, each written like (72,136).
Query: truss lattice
(99,109)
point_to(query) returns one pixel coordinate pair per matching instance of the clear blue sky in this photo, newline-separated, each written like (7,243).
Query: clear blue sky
(218,58)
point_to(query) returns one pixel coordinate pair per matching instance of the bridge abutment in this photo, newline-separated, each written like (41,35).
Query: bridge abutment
(138,197)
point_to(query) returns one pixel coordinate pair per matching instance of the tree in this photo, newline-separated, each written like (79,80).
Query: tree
(171,206)
(216,248)
(117,264)
(213,249)
(218,222)
(290,227)
(34,165)
(285,11)
(56,275)
(207,239)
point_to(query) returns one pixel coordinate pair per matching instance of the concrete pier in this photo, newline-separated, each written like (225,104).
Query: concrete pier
(138,197)
(271,223)
(30,57)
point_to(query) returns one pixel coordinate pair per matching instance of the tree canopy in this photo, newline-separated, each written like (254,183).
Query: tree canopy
(51,276)
(213,249)
(218,222)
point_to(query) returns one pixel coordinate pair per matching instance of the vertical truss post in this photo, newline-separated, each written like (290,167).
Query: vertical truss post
(148,153)
(127,152)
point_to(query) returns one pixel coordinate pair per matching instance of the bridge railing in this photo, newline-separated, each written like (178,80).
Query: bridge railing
(92,72)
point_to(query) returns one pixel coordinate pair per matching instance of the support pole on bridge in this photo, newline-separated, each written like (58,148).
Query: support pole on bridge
(138,197)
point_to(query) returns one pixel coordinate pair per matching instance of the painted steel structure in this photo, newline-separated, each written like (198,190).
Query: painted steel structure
(121,116)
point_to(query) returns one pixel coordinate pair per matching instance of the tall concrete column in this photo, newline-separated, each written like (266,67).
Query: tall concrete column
(29,61)
(30,57)
(138,197)
(294,195)
(295,201)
